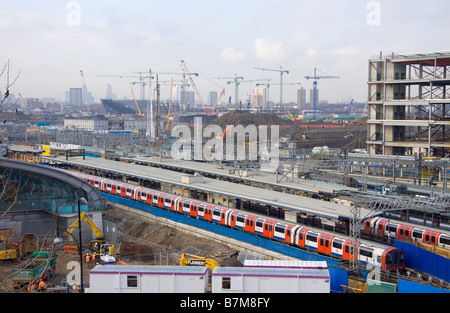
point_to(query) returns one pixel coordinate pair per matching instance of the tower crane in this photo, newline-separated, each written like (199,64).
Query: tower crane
(268,84)
(236,82)
(197,92)
(142,80)
(316,78)
(281,81)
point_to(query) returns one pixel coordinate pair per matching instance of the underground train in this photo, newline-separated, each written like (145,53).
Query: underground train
(383,227)
(338,246)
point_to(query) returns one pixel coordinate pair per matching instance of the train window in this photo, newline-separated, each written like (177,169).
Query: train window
(259,223)
(240,218)
(280,228)
(312,237)
(368,252)
(337,244)
(417,233)
(216,213)
(445,240)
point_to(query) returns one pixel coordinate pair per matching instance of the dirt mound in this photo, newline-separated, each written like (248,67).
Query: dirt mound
(245,118)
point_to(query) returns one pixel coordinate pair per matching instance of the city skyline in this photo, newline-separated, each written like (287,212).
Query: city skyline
(49,42)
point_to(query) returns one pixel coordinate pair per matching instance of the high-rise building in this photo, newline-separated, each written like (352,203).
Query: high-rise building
(212,98)
(409,104)
(76,97)
(259,98)
(311,98)
(301,99)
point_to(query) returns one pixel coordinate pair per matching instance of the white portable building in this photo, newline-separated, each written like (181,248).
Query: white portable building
(148,279)
(319,265)
(270,280)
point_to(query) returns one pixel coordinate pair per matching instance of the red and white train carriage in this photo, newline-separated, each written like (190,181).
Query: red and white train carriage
(376,255)
(383,227)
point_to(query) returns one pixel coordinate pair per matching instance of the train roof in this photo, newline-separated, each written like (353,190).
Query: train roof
(273,198)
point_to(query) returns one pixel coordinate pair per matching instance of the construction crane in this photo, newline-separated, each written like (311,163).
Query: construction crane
(85,93)
(236,81)
(142,80)
(137,105)
(99,247)
(316,78)
(194,260)
(281,81)
(195,88)
(170,104)
(268,84)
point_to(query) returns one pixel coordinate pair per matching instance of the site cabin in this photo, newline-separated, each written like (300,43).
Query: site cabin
(148,279)
(270,280)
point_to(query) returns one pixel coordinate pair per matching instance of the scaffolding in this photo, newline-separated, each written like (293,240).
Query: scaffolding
(409,99)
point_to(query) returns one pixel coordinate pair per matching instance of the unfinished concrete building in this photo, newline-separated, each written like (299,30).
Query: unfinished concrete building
(409,111)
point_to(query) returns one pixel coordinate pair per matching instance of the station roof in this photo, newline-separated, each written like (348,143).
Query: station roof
(266,178)
(272,198)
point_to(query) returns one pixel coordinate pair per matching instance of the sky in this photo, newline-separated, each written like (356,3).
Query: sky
(49,42)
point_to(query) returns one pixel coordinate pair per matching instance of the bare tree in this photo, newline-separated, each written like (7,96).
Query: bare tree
(5,104)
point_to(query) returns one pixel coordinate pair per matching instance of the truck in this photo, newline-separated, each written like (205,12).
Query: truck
(40,265)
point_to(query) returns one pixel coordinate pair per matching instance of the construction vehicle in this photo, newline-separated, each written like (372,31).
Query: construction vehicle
(348,135)
(102,250)
(40,265)
(194,260)
(8,248)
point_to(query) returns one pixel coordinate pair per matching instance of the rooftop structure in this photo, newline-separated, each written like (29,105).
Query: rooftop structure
(408,98)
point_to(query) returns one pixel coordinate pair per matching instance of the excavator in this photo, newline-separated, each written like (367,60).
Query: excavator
(194,260)
(99,247)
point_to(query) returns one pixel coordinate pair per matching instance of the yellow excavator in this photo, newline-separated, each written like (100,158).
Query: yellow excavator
(194,260)
(102,250)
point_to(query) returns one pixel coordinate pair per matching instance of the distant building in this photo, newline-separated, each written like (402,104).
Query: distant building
(90,124)
(76,97)
(212,98)
(259,98)
(301,99)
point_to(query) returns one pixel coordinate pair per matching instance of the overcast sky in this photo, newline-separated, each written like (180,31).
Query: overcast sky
(51,41)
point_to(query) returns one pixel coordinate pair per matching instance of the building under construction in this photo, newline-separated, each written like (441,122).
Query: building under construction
(409,99)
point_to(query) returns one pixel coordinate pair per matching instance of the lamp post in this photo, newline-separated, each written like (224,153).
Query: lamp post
(81,201)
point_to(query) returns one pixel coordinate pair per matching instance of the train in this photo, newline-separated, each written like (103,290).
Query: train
(373,255)
(384,228)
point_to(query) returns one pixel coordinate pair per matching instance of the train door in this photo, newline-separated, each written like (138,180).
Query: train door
(114,188)
(324,245)
(161,198)
(431,237)
(250,223)
(404,232)
(347,252)
(269,228)
(233,216)
(302,237)
(380,228)
(208,212)
(193,210)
